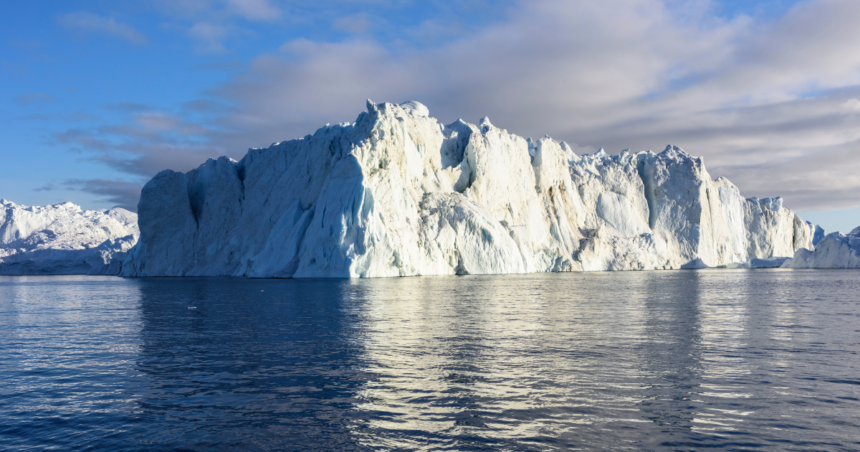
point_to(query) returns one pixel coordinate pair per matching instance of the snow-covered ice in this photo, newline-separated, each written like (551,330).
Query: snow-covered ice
(64,239)
(398,194)
(835,250)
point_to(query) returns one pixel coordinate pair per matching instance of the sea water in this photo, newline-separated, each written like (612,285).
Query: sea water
(681,360)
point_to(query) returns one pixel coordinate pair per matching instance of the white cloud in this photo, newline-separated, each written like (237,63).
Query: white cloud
(763,102)
(850,106)
(356,23)
(619,73)
(208,38)
(219,10)
(254,9)
(552,67)
(38,97)
(212,23)
(88,22)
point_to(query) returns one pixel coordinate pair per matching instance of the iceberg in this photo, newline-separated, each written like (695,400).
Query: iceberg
(398,194)
(64,239)
(835,250)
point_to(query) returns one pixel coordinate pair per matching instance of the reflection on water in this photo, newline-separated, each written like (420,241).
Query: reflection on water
(729,359)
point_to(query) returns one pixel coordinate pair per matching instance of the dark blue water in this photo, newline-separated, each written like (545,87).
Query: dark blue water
(685,360)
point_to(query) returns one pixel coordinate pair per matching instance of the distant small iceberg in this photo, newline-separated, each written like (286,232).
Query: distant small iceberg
(835,250)
(64,239)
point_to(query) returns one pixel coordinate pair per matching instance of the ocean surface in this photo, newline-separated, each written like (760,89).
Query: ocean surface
(681,360)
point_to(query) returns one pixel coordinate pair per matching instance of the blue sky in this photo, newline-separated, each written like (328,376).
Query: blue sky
(100,95)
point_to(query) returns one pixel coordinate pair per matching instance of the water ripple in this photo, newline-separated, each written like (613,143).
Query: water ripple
(616,361)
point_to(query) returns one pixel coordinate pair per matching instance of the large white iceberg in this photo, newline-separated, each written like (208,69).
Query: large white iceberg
(835,250)
(64,239)
(398,194)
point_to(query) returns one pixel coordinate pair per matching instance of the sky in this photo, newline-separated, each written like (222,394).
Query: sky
(97,96)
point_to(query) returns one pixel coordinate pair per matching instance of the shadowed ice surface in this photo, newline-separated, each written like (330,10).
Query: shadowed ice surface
(731,359)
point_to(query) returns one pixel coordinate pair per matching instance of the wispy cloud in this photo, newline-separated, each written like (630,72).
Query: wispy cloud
(117,192)
(230,65)
(38,97)
(356,23)
(146,143)
(127,107)
(208,37)
(47,187)
(77,116)
(120,193)
(850,106)
(29,45)
(771,105)
(87,22)
(254,9)
(618,74)
(81,139)
(210,24)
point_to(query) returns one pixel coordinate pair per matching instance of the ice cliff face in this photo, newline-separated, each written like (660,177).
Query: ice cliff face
(397,194)
(64,239)
(835,250)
